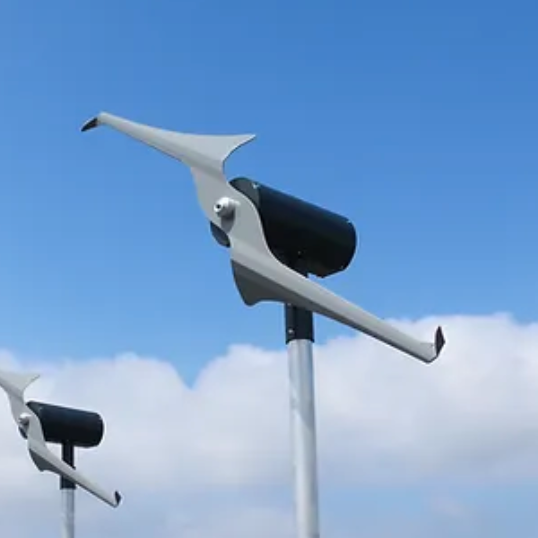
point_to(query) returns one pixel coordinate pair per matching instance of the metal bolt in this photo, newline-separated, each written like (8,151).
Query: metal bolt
(225,207)
(24,420)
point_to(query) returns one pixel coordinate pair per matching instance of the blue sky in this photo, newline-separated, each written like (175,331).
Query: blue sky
(417,121)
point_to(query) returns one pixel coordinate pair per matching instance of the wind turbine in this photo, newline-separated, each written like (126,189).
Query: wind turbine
(275,242)
(39,423)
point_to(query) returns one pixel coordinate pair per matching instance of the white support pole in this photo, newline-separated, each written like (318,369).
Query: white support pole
(303,431)
(68,512)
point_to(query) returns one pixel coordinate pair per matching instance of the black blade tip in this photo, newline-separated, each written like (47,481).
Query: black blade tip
(439,340)
(90,124)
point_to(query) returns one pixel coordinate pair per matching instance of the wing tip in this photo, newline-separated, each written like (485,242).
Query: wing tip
(440,341)
(438,345)
(90,124)
(118,498)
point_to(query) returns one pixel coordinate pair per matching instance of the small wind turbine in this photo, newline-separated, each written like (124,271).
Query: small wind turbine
(40,423)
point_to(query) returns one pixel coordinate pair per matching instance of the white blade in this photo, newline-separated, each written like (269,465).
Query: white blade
(16,383)
(259,280)
(190,149)
(258,274)
(45,460)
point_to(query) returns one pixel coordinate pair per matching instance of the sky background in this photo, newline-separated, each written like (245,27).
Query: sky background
(417,120)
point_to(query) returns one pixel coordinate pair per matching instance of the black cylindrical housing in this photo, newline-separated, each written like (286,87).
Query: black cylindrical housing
(64,425)
(294,229)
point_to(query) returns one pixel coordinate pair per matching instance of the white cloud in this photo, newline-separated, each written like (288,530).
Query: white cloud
(192,461)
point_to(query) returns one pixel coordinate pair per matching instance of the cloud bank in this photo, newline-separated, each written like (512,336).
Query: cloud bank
(213,459)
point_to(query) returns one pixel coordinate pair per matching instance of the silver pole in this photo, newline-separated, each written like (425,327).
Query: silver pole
(303,430)
(68,513)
